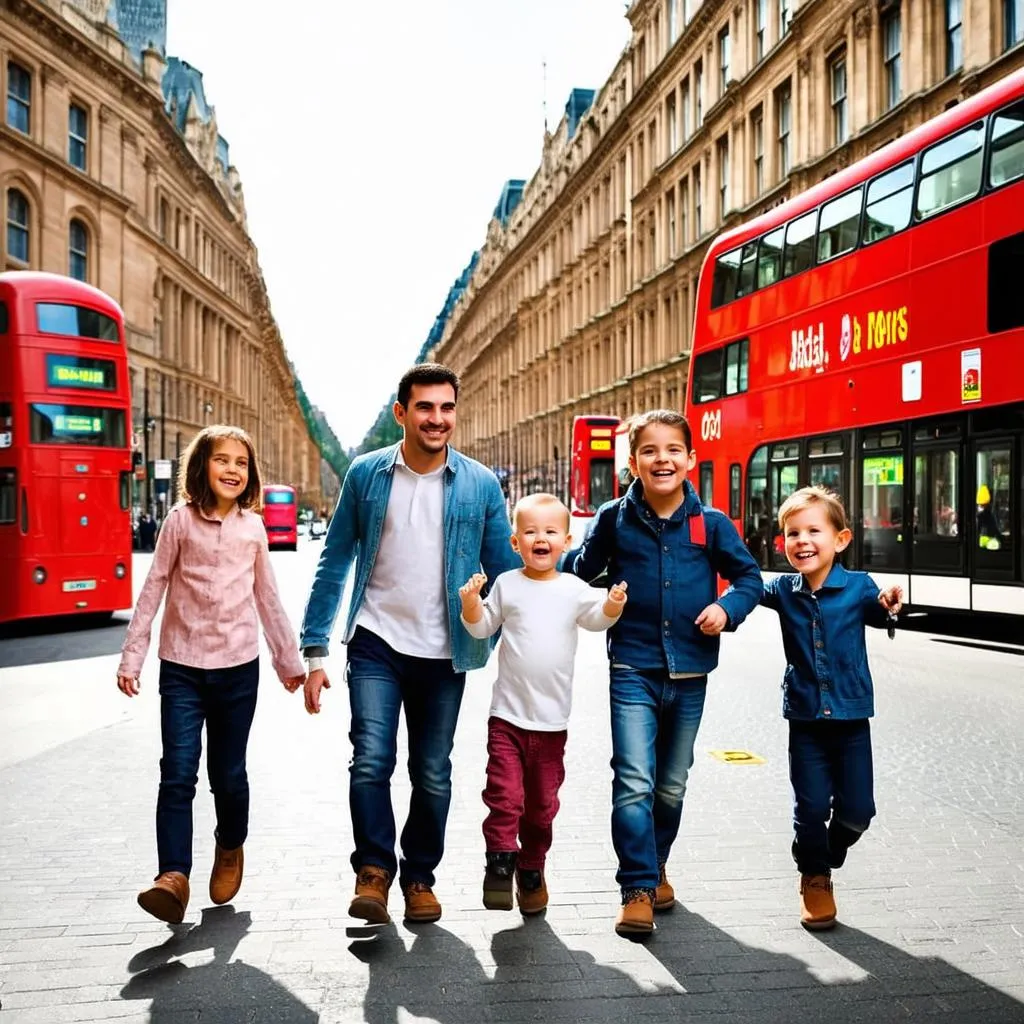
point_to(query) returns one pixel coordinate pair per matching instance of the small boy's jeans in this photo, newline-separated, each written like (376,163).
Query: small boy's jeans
(525,769)
(655,719)
(225,699)
(831,772)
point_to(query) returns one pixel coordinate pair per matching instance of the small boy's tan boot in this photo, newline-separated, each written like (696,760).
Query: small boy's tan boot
(636,915)
(664,895)
(531,891)
(817,904)
(167,899)
(370,902)
(226,877)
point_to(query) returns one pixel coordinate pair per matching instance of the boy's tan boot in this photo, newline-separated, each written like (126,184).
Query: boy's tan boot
(370,902)
(664,895)
(636,915)
(531,891)
(421,905)
(167,898)
(817,904)
(226,877)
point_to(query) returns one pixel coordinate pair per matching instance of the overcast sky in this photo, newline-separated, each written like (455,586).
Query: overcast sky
(373,141)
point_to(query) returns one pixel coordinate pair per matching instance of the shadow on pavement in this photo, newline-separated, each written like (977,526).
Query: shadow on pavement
(68,638)
(764,987)
(222,992)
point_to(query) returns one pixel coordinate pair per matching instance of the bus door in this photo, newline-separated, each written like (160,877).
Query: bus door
(939,511)
(783,480)
(995,487)
(880,511)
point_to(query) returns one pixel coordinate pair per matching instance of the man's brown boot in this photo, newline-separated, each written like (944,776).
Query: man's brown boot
(664,895)
(226,877)
(421,905)
(370,902)
(531,891)
(167,899)
(636,915)
(817,904)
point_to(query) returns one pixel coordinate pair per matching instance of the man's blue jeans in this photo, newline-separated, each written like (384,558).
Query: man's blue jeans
(831,770)
(225,699)
(380,682)
(654,726)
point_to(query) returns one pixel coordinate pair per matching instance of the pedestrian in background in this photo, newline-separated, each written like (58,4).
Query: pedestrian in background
(827,691)
(539,611)
(147,532)
(417,519)
(212,543)
(670,549)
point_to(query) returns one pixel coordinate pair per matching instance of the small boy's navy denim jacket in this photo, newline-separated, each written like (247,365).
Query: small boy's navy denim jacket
(670,579)
(827,675)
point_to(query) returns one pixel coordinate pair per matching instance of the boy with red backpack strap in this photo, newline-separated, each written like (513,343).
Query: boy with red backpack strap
(670,549)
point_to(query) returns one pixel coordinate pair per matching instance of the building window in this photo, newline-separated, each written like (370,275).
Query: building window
(17,226)
(723,58)
(19,97)
(954,35)
(698,88)
(698,225)
(670,217)
(78,135)
(891,30)
(783,111)
(784,17)
(840,123)
(673,20)
(723,177)
(1013,22)
(78,251)
(685,104)
(684,213)
(762,27)
(758,134)
(672,122)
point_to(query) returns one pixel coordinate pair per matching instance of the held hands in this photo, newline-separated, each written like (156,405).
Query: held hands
(128,685)
(293,683)
(712,620)
(891,600)
(316,680)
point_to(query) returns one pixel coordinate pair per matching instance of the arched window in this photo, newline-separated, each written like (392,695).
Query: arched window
(17,225)
(78,251)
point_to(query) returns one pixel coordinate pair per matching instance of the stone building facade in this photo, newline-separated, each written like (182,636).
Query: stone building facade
(112,170)
(582,298)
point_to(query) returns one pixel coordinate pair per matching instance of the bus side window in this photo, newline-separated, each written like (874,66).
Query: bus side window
(889,201)
(840,226)
(1006,160)
(747,280)
(769,258)
(723,287)
(8,496)
(3,318)
(950,172)
(735,491)
(707,483)
(799,253)
(707,377)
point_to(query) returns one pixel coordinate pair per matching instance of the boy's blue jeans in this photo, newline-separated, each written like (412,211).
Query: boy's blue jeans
(225,699)
(654,726)
(830,768)
(381,681)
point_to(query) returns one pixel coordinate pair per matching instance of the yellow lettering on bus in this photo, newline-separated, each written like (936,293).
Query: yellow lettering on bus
(885,327)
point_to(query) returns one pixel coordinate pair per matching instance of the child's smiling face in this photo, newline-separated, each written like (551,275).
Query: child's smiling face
(812,543)
(661,460)
(227,470)
(542,534)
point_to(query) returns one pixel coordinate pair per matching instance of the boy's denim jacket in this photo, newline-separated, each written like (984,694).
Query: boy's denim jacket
(476,534)
(827,675)
(670,580)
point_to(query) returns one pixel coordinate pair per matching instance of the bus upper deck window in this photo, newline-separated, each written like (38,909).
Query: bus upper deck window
(747,280)
(799,253)
(723,288)
(769,258)
(839,227)
(889,201)
(950,171)
(1007,159)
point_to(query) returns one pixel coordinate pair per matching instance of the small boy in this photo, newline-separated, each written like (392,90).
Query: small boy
(671,550)
(827,693)
(540,609)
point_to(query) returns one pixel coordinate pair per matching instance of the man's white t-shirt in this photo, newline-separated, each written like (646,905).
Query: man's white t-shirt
(538,620)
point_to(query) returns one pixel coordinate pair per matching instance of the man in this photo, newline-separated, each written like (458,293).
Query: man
(418,519)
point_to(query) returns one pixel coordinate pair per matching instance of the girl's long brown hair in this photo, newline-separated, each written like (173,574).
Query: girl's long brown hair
(193,480)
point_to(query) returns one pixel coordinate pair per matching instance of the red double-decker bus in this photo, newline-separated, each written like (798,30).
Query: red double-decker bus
(592,473)
(281,516)
(65,461)
(867,335)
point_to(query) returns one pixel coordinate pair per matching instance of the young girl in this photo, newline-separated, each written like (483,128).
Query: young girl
(212,559)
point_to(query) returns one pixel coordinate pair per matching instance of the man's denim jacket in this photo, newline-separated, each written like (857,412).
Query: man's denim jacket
(476,534)
(827,674)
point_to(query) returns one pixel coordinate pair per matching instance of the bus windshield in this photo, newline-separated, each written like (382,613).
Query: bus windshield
(278,498)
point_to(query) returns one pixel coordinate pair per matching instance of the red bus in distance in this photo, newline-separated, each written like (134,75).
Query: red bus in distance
(281,516)
(592,472)
(867,336)
(65,460)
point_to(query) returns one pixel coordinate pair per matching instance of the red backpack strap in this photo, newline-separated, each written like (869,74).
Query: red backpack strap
(698,533)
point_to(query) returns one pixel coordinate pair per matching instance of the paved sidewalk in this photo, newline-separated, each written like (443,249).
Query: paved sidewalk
(930,903)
